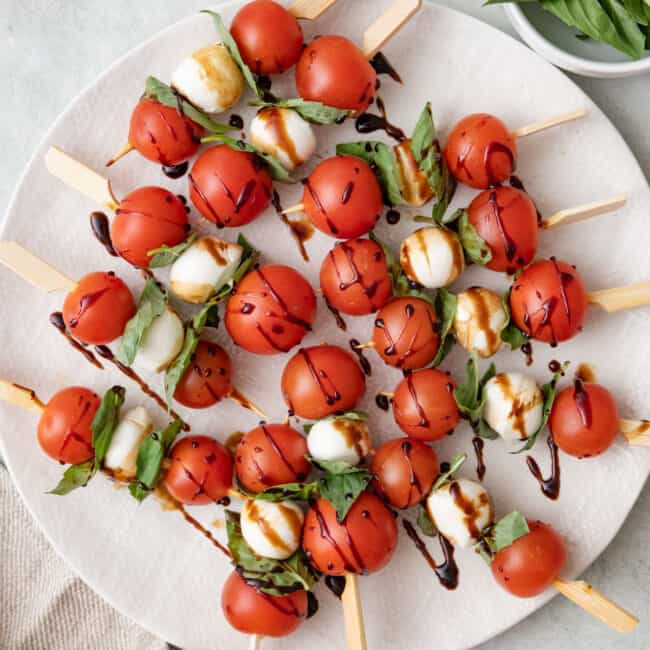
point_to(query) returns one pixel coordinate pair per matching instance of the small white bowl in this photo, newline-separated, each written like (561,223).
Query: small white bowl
(558,44)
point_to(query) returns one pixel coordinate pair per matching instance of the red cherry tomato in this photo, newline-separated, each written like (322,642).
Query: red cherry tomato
(342,197)
(354,277)
(148,218)
(584,419)
(549,301)
(64,431)
(97,310)
(228,187)
(363,543)
(271,310)
(200,471)
(207,380)
(269,38)
(322,380)
(253,612)
(161,134)
(269,455)
(424,406)
(405,334)
(404,471)
(506,219)
(531,563)
(480,151)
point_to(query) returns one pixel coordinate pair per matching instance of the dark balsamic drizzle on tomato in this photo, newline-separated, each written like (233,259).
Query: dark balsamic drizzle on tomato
(582,401)
(423,419)
(491,150)
(175,171)
(369,122)
(195,187)
(479,445)
(517,183)
(327,535)
(414,481)
(355,346)
(319,205)
(101,230)
(383,66)
(56,319)
(336,584)
(510,247)
(320,377)
(550,486)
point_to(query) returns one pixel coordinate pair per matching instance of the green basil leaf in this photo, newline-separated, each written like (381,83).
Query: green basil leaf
(333,466)
(424,522)
(167,255)
(476,250)
(105,421)
(510,333)
(249,258)
(508,530)
(343,489)
(74,477)
(446,477)
(313,112)
(445,305)
(470,398)
(175,371)
(292,491)
(639,10)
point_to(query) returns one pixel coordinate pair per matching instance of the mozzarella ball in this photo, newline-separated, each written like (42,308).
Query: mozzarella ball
(206,266)
(461,510)
(416,189)
(514,405)
(479,319)
(210,79)
(282,133)
(272,530)
(432,257)
(339,439)
(134,426)
(162,342)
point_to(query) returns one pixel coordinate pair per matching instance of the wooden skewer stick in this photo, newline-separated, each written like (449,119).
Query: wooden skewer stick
(255,642)
(299,207)
(234,493)
(388,24)
(636,432)
(309,9)
(127,148)
(596,604)
(20,396)
(242,400)
(582,212)
(353,614)
(633,295)
(80,178)
(365,346)
(387,394)
(548,123)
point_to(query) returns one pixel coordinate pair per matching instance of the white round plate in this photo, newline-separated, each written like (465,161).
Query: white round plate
(151,565)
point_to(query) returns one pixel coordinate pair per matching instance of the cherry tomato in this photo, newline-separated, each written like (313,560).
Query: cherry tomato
(253,612)
(363,543)
(207,380)
(271,310)
(342,197)
(322,380)
(424,405)
(354,277)
(480,151)
(334,71)
(506,219)
(147,219)
(228,187)
(200,471)
(584,419)
(405,334)
(161,134)
(404,470)
(269,455)
(269,38)
(549,301)
(531,563)
(97,310)
(64,431)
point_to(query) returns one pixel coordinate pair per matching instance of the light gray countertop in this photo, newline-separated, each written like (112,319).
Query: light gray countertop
(51,49)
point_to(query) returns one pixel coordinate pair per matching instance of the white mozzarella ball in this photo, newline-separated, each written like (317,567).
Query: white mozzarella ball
(432,257)
(272,530)
(282,133)
(514,405)
(206,266)
(416,189)
(479,319)
(134,426)
(162,342)
(461,510)
(339,439)
(210,79)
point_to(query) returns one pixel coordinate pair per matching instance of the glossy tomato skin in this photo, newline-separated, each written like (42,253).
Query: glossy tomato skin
(200,471)
(148,218)
(404,471)
(271,454)
(334,71)
(529,565)
(424,406)
(161,134)
(269,38)
(584,419)
(354,277)
(480,151)
(549,301)
(228,187)
(252,612)
(64,430)
(207,380)
(363,543)
(97,310)
(506,219)
(342,197)
(271,310)
(405,334)
(322,380)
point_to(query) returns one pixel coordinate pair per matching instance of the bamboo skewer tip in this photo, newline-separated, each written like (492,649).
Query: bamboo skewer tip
(548,123)
(127,148)
(387,25)
(353,614)
(309,9)
(582,212)
(20,396)
(300,207)
(620,298)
